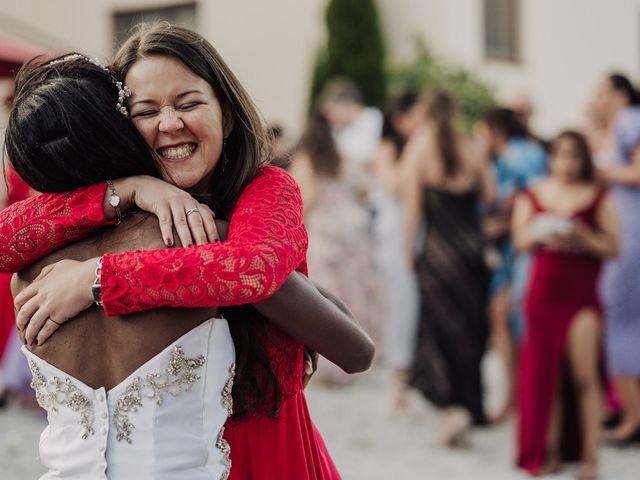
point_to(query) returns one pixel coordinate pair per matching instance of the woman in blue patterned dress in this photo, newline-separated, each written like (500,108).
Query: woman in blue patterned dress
(517,163)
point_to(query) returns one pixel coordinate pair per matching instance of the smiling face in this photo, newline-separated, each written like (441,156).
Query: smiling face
(180,117)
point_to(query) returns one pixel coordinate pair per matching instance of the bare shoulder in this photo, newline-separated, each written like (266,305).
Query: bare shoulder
(606,203)
(419,147)
(386,150)
(300,167)
(542,187)
(421,140)
(471,155)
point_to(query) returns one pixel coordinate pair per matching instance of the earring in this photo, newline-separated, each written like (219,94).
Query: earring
(224,154)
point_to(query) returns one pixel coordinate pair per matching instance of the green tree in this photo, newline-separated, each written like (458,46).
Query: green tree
(355,49)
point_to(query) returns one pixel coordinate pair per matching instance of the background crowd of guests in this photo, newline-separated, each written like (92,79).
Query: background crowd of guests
(445,243)
(457,242)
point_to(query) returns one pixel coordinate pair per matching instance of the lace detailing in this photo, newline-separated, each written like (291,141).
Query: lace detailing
(34,227)
(267,241)
(227,403)
(55,393)
(223,446)
(227,398)
(179,377)
(287,360)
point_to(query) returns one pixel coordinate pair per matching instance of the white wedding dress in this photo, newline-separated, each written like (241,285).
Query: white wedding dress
(165,421)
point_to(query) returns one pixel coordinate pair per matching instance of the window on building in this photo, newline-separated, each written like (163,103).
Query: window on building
(501,29)
(181,14)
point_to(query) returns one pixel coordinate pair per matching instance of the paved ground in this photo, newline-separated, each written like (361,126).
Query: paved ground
(365,441)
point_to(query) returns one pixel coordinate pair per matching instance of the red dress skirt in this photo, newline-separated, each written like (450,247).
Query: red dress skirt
(7,317)
(561,285)
(288,447)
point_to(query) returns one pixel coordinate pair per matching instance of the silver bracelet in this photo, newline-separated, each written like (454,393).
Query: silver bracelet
(114,201)
(95,288)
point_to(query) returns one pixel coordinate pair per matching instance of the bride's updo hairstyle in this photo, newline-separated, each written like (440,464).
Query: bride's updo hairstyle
(64,130)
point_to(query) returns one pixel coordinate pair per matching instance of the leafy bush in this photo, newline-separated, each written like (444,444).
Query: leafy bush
(426,72)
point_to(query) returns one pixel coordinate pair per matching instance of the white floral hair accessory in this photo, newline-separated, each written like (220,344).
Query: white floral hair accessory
(123,90)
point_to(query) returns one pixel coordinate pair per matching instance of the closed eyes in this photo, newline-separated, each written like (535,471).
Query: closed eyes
(185,107)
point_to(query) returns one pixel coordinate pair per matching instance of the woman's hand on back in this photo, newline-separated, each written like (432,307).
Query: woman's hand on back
(60,292)
(194,222)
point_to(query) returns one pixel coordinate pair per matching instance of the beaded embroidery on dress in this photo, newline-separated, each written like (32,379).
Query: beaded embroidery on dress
(158,422)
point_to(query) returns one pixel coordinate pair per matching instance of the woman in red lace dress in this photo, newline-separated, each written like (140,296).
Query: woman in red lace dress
(14,368)
(208,138)
(18,190)
(570,224)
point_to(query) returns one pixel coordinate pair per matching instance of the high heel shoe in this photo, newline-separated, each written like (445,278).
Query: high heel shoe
(456,429)
(634,437)
(612,421)
(5,397)
(550,467)
(399,392)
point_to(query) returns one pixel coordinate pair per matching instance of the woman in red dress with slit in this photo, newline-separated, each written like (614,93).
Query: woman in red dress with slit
(569,222)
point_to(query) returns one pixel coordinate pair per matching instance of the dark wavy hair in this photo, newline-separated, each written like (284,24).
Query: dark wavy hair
(621,83)
(587,168)
(506,121)
(399,105)
(64,132)
(441,111)
(318,143)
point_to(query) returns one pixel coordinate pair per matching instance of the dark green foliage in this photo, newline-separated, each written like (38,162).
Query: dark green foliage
(425,72)
(355,50)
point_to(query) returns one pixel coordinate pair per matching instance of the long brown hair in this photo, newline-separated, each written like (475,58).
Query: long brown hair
(621,83)
(441,111)
(399,105)
(506,121)
(256,387)
(318,143)
(248,145)
(587,170)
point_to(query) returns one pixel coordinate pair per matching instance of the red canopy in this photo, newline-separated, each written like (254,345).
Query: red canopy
(15,52)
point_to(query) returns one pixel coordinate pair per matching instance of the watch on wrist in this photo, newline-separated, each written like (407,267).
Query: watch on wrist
(114,201)
(96,291)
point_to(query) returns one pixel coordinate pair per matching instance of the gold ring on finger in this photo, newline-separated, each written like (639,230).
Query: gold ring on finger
(192,210)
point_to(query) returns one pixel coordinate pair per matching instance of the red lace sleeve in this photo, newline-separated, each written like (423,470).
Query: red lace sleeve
(267,240)
(38,225)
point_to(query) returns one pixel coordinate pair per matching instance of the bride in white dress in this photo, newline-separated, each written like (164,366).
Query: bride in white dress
(147,396)
(120,407)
